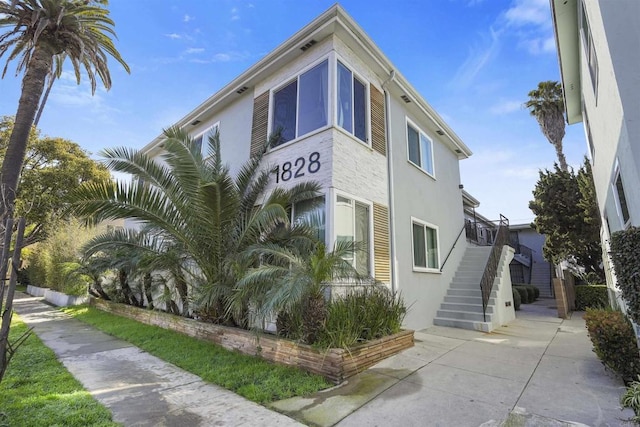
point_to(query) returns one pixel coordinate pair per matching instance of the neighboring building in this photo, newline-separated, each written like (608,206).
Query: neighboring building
(528,264)
(598,48)
(388,164)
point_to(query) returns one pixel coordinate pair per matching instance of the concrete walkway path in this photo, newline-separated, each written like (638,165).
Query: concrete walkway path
(139,389)
(537,371)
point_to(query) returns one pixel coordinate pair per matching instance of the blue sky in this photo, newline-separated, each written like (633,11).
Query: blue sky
(474,61)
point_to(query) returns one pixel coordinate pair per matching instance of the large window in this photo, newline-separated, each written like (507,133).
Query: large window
(352,224)
(301,106)
(622,199)
(202,140)
(425,246)
(589,49)
(352,103)
(420,148)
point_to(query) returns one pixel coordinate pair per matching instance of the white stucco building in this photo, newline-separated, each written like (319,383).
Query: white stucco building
(599,51)
(388,164)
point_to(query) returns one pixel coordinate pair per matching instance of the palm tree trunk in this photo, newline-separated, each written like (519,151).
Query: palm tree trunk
(32,88)
(561,158)
(44,100)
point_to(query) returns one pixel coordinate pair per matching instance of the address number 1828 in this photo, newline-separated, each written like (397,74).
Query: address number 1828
(298,168)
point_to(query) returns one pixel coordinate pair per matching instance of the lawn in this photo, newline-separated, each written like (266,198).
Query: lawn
(37,390)
(251,377)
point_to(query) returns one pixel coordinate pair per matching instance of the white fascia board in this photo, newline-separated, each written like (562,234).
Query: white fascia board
(566,29)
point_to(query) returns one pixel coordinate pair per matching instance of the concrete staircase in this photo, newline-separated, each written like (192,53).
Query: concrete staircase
(462,306)
(541,278)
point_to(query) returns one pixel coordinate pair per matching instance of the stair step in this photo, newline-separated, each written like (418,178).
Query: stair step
(473,308)
(462,324)
(464,292)
(463,315)
(466,300)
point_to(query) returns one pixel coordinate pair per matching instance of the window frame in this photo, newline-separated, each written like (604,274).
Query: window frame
(590,54)
(296,78)
(367,101)
(421,133)
(616,194)
(204,144)
(425,225)
(324,197)
(354,200)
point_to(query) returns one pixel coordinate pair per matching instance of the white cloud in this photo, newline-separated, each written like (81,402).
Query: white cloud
(537,46)
(193,50)
(529,12)
(235,15)
(223,57)
(505,107)
(477,59)
(187,18)
(524,173)
(173,36)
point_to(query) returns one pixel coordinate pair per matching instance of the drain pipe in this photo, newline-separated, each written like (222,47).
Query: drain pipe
(392,226)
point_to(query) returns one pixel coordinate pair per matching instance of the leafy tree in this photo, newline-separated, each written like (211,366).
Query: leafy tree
(191,203)
(52,168)
(36,32)
(567,214)
(546,104)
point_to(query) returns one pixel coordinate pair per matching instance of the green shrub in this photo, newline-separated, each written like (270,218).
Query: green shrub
(625,254)
(516,299)
(536,292)
(524,294)
(531,292)
(591,296)
(631,399)
(614,341)
(364,314)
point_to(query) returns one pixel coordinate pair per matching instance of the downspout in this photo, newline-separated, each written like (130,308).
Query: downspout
(392,227)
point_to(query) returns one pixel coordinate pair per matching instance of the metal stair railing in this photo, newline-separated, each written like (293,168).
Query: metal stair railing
(491,268)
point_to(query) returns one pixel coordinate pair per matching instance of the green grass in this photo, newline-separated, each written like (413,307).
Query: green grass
(251,377)
(38,391)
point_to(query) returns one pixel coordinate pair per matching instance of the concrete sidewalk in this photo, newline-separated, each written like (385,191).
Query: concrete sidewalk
(536,371)
(139,389)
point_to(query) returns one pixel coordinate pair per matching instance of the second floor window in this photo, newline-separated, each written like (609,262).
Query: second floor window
(420,149)
(301,106)
(352,103)
(202,140)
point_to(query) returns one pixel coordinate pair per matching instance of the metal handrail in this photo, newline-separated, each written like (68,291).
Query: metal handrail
(491,268)
(452,247)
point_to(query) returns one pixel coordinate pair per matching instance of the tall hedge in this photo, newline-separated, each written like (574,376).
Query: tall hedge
(591,296)
(625,254)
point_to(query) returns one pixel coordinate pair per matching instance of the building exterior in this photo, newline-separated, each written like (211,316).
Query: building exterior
(528,264)
(387,162)
(599,61)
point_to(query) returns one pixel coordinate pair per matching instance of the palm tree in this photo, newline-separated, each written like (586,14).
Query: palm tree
(546,104)
(191,202)
(37,32)
(296,277)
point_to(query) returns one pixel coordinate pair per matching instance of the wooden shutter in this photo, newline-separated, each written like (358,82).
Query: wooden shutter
(378,134)
(381,252)
(260,123)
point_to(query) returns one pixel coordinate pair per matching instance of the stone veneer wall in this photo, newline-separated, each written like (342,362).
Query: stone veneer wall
(334,364)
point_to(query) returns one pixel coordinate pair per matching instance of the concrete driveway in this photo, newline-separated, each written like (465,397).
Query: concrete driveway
(537,371)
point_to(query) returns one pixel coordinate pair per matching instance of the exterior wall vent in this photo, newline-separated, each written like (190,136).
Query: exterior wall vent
(308,45)
(195,122)
(241,90)
(439,132)
(405,98)
(459,151)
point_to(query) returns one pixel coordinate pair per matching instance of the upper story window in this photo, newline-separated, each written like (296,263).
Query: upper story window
(352,103)
(301,105)
(589,49)
(420,148)
(202,140)
(587,127)
(623,209)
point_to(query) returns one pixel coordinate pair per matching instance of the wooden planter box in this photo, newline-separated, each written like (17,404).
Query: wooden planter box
(335,364)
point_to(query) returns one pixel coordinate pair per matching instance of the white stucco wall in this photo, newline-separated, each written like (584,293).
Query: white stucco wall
(437,201)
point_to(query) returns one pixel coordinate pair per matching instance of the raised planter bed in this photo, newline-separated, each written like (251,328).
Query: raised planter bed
(335,364)
(56,298)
